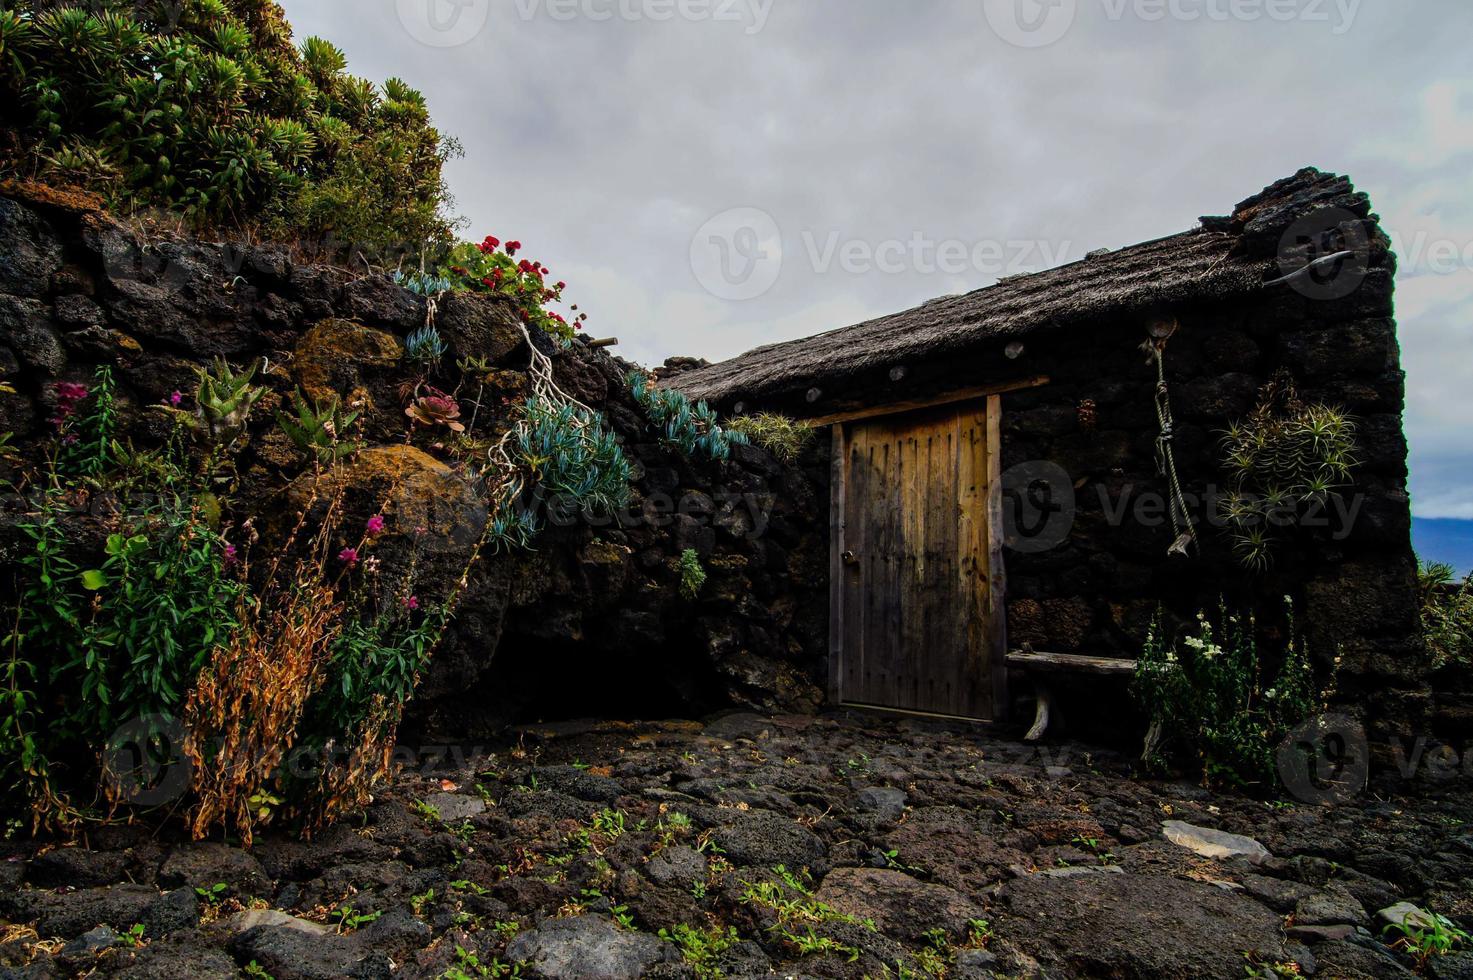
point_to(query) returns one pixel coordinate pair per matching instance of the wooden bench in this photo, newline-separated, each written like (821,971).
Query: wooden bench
(1041,666)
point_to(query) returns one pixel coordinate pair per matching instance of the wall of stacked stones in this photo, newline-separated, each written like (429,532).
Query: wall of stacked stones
(591,621)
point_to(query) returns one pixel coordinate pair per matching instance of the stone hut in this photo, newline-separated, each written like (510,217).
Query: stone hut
(1034,471)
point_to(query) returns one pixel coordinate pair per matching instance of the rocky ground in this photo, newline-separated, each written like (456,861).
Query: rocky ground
(751,847)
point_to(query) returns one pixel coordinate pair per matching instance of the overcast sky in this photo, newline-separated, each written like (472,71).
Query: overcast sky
(857,157)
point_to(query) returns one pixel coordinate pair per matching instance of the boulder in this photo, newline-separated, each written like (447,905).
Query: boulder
(1331,906)
(758,839)
(587,946)
(677,867)
(1127,925)
(288,953)
(899,905)
(1211,843)
(29,250)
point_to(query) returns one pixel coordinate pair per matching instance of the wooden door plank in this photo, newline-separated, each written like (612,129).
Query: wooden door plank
(838,466)
(997,617)
(971,547)
(855,540)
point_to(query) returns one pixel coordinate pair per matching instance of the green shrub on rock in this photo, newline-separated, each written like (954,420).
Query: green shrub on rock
(206,107)
(778,434)
(1447,614)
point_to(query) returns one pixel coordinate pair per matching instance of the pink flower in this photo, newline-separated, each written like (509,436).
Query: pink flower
(69,396)
(176,398)
(411,603)
(230,555)
(348,556)
(375,525)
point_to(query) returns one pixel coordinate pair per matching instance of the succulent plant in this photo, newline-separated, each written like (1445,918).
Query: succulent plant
(436,408)
(424,347)
(690,427)
(224,399)
(318,428)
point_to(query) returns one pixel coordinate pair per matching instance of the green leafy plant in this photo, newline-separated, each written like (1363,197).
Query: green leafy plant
(692,575)
(1286,457)
(1447,614)
(691,427)
(569,452)
(778,434)
(1424,936)
(86,437)
(350,920)
(213,894)
(702,949)
(468,966)
(1206,696)
(789,896)
(319,429)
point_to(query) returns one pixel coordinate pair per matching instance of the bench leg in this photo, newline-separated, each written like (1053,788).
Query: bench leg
(1041,719)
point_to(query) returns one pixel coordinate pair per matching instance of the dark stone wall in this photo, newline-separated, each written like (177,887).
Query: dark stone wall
(588,623)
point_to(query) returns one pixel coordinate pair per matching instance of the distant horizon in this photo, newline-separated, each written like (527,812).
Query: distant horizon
(1444,539)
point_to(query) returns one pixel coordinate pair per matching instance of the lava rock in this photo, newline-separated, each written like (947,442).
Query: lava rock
(587,946)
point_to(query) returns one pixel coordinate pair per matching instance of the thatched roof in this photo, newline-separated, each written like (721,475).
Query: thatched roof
(1224,257)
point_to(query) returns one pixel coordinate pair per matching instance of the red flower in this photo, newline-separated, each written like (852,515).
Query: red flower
(513,247)
(492,241)
(561,286)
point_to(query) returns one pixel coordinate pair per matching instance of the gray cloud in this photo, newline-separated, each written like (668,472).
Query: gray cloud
(605,144)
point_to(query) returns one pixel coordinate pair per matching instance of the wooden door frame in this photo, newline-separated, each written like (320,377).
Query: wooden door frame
(996,610)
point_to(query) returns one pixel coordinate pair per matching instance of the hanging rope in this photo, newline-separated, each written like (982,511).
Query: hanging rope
(1181,521)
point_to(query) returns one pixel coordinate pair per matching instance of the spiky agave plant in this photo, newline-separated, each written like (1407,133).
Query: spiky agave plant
(319,428)
(224,399)
(1287,455)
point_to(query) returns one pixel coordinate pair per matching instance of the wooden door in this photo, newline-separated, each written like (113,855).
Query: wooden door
(916,592)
